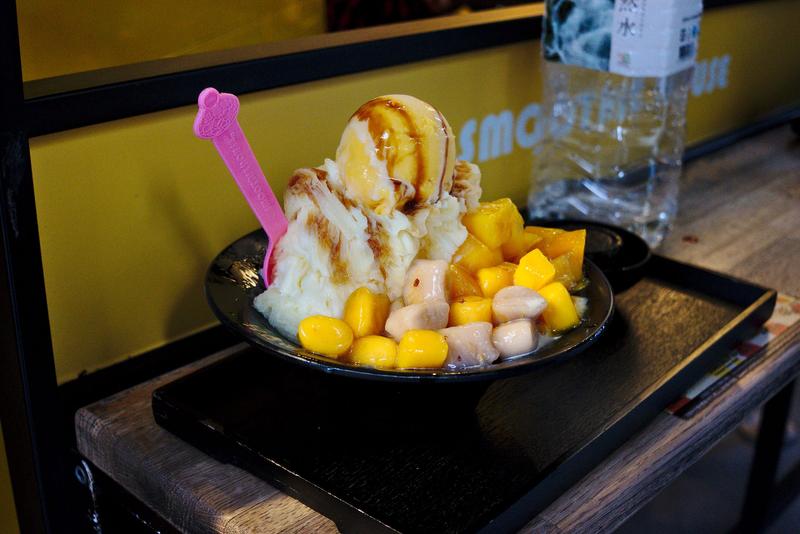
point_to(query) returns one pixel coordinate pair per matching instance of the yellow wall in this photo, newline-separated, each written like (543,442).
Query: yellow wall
(131,212)
(764,65)
(66,36)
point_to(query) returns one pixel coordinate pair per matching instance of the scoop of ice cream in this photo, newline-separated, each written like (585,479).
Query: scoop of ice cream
(396,149)
(360,221)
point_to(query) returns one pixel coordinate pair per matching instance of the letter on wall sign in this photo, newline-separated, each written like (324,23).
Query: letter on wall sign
(527,138)
(496,135)
(465,139)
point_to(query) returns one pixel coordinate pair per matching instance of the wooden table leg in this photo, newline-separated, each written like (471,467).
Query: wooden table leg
(764,467)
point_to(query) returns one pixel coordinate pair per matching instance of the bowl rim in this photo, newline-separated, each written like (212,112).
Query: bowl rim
(513,367)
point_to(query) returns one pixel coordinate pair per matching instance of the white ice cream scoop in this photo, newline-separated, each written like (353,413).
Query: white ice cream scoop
(396,149)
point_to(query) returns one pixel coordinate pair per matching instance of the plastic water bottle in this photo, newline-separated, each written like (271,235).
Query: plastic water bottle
(617,75)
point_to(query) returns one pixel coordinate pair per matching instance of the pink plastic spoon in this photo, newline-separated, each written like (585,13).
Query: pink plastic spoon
(216,120)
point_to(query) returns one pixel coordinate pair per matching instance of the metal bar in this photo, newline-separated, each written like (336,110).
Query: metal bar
(761,482)
(28,394)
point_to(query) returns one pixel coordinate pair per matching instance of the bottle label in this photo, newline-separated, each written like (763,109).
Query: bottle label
(638,38)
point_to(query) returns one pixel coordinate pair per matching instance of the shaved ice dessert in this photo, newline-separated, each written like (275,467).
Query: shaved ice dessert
(391,260)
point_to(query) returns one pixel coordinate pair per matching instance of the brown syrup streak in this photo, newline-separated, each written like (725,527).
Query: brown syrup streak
(328,236)
(330,239)
(377,243)
(300,184)
(460,175)
(378,126)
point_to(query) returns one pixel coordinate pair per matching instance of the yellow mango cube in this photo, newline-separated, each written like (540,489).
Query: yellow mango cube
(534,271)
(325,335)
(374,351)
(544,233)
(493,279)
(459,282)
(560,313)
(565,272)
(492,222)
(470,310)
(474,255)
(519,244)
(573,243)
(366,312)
(421,349)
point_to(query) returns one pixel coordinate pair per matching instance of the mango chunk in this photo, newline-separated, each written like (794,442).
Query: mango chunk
(325,335)
(565,272)
(544,233)
(366,312)
(374,351)
(573,243)
(421,349)
(470,310)
(474,255)
(492,222)
(534,271)
(459,282)
(493,279)
(560,313)
(519,244)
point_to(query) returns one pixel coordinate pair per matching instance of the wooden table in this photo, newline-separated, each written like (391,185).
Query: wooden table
(740,214)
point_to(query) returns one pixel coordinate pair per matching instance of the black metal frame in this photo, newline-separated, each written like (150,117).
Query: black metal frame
(28,376)
(36,413)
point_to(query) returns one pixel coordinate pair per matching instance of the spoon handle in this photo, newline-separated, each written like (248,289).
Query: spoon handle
(216,120)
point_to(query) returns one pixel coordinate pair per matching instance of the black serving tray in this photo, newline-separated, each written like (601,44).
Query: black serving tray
(459,468)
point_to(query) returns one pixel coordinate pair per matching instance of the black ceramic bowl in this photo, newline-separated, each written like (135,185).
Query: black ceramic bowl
(233,281)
